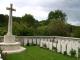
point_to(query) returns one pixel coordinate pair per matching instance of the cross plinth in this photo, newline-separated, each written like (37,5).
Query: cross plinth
(10,19)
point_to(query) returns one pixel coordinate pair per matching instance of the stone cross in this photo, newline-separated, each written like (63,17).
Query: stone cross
(10,19)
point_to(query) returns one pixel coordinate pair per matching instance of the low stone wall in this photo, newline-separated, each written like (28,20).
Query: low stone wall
(58,43)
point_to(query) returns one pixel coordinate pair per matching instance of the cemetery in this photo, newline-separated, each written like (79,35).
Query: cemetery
(62,45)
(30,47)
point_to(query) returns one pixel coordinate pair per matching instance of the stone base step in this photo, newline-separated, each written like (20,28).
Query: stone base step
(15,51)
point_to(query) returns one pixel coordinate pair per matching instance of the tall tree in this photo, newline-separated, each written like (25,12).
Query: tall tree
(76,32)
(57,28)
(57,15)
(28,20)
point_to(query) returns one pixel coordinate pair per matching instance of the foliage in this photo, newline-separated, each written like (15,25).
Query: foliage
(54,48)
(28,44)
(3,20)
(0,51)
(42,30)
(43,23)
(24,26)
(57,14)
(79,52)
(3,31)
(34,44)
(57,28)
(28,20)
(27,25)
(73,52)
(44,45)
(3,56)
(76,32)
(65,52)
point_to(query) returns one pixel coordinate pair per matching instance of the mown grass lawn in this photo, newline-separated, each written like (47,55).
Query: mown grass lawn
(37,53)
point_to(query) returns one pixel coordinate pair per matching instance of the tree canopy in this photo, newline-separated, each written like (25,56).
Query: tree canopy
(55,25)
(57,15)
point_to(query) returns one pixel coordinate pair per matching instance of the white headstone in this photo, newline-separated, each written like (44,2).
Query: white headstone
(64,46)
(59,46)
(38,41)
(69,47)
(50,45)
(0,55)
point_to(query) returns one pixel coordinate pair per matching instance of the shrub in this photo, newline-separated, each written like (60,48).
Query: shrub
(65,53)
(44,45)
(79,52)
(3,56)
(0,50)
(72,52)
(54,48)
(34,44)
(28,44)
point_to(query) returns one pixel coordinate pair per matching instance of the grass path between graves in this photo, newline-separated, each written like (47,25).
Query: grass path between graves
(37,53)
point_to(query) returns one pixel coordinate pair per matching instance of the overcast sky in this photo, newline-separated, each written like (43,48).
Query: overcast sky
(40,8)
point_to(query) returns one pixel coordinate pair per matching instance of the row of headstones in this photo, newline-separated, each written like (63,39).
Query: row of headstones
(61,46)
(58,44)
